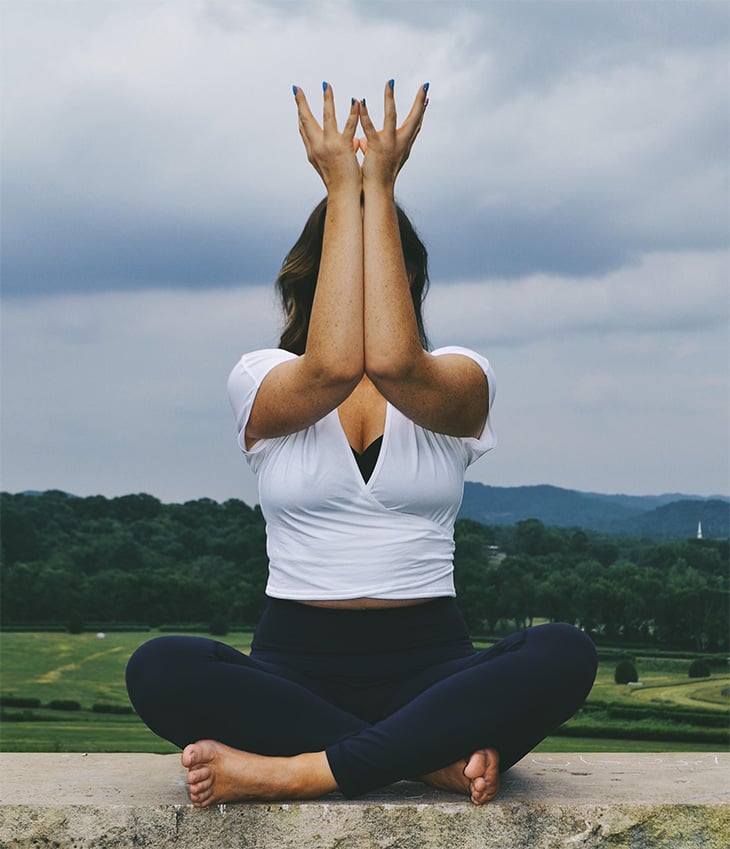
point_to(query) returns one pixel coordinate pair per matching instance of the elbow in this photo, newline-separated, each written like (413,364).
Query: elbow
(346,379)
(347,371)
(343,373)
(389,368)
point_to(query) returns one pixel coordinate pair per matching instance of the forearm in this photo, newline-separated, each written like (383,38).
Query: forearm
(391,338)
(335,338)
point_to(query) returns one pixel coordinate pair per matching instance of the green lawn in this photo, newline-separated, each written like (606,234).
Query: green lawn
(601,744)
(85,733)
(47,665)
(89,670)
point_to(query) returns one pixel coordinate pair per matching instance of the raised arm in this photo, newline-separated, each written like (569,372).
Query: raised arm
(301,391)
(449,393)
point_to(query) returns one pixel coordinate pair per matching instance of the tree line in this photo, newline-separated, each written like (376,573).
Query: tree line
(134,559)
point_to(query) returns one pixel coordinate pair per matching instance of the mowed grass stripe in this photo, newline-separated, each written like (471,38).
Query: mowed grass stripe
(82,667)
(81,737)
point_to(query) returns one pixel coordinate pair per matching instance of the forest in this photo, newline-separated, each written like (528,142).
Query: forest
(79,563)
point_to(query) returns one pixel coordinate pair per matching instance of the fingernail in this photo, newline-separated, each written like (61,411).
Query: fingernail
(294,89)
(324,86)
(391,83)
(352,102)
(363,102)
(425,103)
(425,86)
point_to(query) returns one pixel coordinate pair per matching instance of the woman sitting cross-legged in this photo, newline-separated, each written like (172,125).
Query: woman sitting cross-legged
(361,670)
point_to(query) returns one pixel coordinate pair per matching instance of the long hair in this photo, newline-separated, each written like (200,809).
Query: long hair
(297,279)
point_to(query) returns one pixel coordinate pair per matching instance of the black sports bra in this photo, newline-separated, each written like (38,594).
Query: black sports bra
(369,457)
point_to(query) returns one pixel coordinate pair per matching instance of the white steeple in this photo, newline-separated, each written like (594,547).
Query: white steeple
(699,530)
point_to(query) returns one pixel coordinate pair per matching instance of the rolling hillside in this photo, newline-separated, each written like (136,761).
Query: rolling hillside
(669,516)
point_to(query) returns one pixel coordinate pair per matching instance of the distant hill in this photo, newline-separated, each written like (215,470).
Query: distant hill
(668,516)
(679,520)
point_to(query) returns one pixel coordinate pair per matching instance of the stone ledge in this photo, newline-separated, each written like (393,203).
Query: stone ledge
(637,801)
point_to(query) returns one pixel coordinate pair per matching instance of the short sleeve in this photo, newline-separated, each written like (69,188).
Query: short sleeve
(243,384)
(476,446)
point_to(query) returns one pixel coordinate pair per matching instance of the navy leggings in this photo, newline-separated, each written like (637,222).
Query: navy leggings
(387,694)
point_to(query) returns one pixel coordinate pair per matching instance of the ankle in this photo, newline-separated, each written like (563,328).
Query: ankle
(310,776)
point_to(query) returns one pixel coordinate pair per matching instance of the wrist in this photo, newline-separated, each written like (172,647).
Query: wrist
(344,190)
(373,186)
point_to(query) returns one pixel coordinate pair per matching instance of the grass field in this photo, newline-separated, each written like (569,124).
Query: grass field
(89,670)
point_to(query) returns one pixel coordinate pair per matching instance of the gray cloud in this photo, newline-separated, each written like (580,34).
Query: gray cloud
(571,182)
(152,144)
(125,392)
(663,293)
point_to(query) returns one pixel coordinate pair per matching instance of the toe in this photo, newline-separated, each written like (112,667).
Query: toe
(199,774)
(479,798)
(479,785)
(188,756)
(200,796)
(201,786)
(202,751)
(201,802)
(476,765)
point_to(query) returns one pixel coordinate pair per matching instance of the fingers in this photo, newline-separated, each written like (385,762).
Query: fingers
(367,125)
(308,124)
(329,123)
(348,131)
(414,119)
(389,121)
(359,109)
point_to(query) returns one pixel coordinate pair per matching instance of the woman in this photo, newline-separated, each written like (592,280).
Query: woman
(361,671)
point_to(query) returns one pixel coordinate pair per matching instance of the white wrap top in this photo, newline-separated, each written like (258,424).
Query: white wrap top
(330,534)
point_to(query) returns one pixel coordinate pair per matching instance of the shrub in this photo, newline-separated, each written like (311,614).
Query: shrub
(17,716)
(75,625)
(218,627)
(19,702)
(64,704)
(102,708)
(625,672)
(699,669)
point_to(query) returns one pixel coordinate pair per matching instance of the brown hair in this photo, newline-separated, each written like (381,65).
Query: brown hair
(297,279)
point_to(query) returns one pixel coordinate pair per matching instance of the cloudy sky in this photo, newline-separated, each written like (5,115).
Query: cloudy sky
(570,180)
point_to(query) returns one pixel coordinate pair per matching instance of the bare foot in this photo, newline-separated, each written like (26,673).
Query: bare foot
(478,777)
(218,773)
(483,771)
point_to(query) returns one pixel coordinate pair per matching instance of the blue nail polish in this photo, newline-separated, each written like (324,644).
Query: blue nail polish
(391,83)
(363,102)
(294,89)
(425,86)
(352,102)
(324,86)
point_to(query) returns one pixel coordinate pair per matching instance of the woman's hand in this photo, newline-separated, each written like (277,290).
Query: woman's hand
(331,153)
(386,151)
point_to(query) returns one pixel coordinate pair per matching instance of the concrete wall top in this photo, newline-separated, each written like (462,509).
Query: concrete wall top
(637,801)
